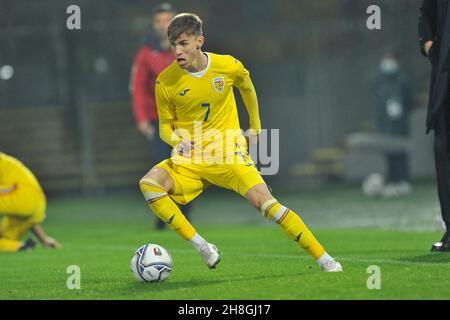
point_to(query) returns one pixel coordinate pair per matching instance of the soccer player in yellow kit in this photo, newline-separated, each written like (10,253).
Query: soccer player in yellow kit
(198,118)
(22,205)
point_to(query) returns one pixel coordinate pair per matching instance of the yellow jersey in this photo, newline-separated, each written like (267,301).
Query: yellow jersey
(203,106)
(20,191)
(13,172)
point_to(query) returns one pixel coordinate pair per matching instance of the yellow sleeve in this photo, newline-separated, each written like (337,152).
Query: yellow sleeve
(166,115)
(167,133)
(245,85)
(165,107)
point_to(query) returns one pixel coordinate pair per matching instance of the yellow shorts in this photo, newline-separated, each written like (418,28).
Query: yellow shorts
(191,179)
(21,209)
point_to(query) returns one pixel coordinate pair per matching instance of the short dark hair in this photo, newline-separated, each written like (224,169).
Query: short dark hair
(188,23)
(163,7)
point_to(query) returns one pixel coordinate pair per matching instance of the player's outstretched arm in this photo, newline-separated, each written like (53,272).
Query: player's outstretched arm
(46,241)
(250,99)
(248,93)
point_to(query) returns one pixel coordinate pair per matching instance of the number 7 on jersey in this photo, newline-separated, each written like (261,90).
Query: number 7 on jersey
(206,105)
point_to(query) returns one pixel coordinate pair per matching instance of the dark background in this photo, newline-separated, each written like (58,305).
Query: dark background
(66,111)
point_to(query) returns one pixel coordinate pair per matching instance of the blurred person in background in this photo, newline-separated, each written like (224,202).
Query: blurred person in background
(152,58)
(393,105)
(434,39)
(22,205)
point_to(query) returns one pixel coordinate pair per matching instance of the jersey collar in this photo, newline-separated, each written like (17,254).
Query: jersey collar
(203,72)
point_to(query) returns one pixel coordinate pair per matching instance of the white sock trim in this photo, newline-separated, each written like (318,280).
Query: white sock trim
(324,258)
(280,214)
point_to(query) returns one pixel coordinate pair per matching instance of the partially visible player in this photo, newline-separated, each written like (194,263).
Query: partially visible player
(151,59)
(22,207)
(197,109)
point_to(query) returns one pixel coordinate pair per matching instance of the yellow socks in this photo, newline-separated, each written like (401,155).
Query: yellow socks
(164,207)
(293,226)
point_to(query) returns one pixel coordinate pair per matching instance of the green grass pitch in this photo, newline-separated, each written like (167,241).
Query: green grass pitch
(258,261)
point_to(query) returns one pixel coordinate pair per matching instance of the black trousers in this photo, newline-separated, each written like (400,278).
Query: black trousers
(442,159)
(398,167)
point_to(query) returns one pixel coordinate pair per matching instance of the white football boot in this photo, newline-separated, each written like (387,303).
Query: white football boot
(331,266)
(211,255)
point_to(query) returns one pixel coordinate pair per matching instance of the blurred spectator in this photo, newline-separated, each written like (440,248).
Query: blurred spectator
(394,103)
(154,56)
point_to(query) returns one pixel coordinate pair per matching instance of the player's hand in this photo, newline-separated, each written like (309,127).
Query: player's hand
(252,137)
(146,129)
(185,147)
(428,46)
(51,243)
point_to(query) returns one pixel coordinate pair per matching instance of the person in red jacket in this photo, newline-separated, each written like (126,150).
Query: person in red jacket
(154,56)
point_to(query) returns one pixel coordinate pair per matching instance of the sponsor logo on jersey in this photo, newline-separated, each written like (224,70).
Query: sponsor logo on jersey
(184,92)
(219,84)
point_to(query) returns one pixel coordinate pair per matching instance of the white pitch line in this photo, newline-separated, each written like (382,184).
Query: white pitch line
(301,257)
(371,261)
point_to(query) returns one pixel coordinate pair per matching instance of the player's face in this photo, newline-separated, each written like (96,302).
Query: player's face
(186,48)
(161,23)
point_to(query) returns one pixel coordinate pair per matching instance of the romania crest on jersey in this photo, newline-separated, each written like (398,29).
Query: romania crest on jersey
(219,84)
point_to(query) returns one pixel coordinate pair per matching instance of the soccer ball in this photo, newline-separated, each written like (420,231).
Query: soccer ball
(151,263)
(373,185)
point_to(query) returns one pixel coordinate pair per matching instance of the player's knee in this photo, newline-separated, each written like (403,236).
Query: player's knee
(259,195)
(155,178)
(151,190)
(146,182)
